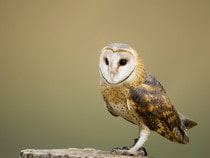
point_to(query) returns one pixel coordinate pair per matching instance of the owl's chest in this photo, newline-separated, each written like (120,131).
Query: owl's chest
(118,104)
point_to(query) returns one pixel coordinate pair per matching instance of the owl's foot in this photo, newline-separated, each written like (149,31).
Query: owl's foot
(143,151)
(126,151)
(113,151)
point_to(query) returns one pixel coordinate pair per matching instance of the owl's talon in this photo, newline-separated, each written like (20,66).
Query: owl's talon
(127,152)
(125,148)
(115,148)
(118,149)
(142,151)
(121,152)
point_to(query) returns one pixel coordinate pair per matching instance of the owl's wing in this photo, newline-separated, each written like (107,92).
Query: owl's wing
(154,107)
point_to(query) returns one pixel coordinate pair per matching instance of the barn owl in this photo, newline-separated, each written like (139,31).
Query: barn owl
(132,93)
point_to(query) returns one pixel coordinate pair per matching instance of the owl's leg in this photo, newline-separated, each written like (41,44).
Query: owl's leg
(137,148)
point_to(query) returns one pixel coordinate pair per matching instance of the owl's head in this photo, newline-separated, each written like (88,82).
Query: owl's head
(119,63)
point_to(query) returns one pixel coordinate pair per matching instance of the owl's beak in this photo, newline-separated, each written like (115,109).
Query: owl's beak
(113,73)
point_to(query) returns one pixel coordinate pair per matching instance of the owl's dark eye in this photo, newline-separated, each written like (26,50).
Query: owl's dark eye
(123,62)
(106,61)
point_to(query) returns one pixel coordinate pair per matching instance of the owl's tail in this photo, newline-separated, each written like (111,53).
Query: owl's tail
(181,132)
(188,123)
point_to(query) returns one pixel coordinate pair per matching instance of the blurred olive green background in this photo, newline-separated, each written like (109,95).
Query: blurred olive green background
(49,80)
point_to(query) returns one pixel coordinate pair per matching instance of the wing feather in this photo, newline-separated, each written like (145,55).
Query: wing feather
(156,110)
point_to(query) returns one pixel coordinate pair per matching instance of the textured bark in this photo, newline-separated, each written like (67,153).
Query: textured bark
(71,153)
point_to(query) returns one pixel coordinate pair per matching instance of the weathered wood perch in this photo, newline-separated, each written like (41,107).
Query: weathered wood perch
(71,153)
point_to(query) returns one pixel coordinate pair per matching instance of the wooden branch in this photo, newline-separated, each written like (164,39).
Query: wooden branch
(71,153)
